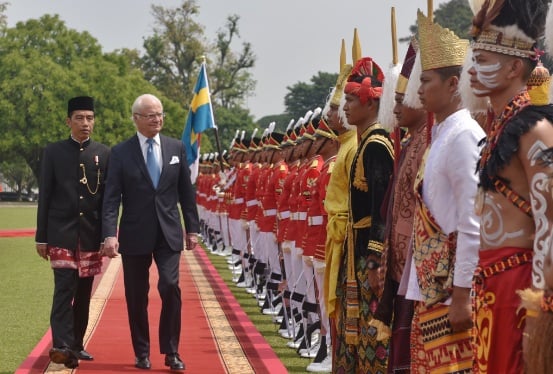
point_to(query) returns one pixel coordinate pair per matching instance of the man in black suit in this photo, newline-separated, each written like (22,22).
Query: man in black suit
(69,227)
(149,175)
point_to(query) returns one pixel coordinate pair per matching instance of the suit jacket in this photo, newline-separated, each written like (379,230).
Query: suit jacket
(147,209)
(70,211)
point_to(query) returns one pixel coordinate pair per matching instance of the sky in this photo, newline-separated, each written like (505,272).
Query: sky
(292,40)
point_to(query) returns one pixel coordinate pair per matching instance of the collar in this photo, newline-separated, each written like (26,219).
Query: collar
(142,139)
(85,143)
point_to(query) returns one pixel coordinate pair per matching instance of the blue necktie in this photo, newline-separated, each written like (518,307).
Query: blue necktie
(152,163)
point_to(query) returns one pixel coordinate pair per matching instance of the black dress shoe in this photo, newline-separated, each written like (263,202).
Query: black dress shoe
(174,362)
(143,363)
(64,356)
(84,355)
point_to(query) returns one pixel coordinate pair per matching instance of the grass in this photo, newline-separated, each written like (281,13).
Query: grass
(25,289)
(293,362)
(17,215)
(26,286)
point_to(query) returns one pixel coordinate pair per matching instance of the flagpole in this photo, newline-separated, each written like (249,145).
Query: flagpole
(215,128)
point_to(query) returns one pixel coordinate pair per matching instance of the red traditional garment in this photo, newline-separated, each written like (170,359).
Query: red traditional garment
(315,236)
(283,203)
(88,264)
(499,320)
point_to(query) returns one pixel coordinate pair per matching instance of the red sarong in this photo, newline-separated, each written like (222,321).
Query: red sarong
(498,324)
(88,264)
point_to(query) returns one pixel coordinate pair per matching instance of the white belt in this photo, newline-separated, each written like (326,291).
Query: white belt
(240,200)
(284,215)
(251,203)
(294,216)
(269,212)
(302,216)
(315,220)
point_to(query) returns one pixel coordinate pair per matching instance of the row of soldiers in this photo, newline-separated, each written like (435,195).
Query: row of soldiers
(375,241)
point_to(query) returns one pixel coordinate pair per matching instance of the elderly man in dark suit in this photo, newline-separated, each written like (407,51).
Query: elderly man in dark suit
(149,176)
(69,227)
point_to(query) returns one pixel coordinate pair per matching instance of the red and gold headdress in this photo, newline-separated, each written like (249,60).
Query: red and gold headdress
(365,80)
(324,130)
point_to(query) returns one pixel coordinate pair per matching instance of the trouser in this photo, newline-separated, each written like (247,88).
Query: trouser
(287,256)
(70,308)
(136,278)
(319,267)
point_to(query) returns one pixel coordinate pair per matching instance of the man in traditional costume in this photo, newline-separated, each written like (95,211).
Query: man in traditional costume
(69,227)
(326,146)
(514,201)
(446,229)
(393,307)
(356,348)
(336,207)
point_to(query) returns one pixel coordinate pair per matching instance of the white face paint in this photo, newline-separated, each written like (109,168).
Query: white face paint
(492,225)
(486,75)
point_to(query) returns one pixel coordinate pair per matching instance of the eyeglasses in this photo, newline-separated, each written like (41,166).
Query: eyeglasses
(152,116)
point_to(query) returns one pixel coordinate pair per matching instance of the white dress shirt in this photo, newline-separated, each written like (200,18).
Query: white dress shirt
(449,188)
(157,148)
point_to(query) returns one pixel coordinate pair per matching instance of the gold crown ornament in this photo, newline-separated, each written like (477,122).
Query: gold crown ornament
(439,46)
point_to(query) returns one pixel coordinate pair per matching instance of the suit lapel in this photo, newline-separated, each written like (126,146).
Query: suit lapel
(138,158)
(165,154)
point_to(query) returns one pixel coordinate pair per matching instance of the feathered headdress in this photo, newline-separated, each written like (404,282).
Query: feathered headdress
(386,115)
(510,27)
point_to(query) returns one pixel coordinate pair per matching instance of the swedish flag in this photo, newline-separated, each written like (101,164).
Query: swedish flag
(200,118)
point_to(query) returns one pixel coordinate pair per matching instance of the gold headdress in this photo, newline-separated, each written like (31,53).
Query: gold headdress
(439,46)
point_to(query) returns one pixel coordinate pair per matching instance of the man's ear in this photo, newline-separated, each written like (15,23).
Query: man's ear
(453,83)
(516,68)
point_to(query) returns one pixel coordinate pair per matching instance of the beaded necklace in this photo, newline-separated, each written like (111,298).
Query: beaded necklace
(495,126)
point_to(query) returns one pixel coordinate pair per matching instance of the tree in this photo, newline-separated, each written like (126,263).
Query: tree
(228,121)
(18,176)
(42,65)
(281,120)
(456,15)
(231,79)
(308,96)
(174,53)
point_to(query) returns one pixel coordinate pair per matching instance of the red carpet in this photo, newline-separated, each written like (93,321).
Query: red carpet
(112,348)
(216,337)
(17,233)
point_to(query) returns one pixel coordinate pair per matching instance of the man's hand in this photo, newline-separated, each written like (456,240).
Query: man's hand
(110,248)
(191,241)
(460,310)
(42,250)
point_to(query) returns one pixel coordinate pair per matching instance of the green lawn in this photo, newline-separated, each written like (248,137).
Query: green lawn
(17,215)
(293,362)
(25,289)
(26,286)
